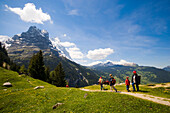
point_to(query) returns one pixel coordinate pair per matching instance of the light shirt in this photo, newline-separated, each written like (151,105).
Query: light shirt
(101,80)
(134,81)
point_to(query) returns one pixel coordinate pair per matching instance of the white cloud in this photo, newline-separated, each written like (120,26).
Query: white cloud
(74,49)
(30,14)
(99,54)
(94,63)
(67,44)
(81,60)
(75,53)
(73,12)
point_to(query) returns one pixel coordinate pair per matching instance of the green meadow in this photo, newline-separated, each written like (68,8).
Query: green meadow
(22,97)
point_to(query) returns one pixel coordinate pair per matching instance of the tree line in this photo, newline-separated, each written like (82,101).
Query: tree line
(5,60)
(36,68)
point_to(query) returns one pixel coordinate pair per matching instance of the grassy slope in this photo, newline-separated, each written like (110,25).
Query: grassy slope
(23,98)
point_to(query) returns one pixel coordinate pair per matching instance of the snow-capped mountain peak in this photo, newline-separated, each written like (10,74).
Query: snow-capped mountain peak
(6,40)
(56,45)
(34,37)
(112,63)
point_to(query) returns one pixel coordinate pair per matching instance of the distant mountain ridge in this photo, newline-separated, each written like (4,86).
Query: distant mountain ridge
(113,63)
(24,45)
(148,74)
(167,68)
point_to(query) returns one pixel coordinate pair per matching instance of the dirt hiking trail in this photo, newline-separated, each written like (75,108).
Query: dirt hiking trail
(160,100)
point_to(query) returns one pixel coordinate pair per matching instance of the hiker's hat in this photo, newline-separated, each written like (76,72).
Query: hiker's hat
(134,72)
(110,75)
(127,77)
(100,77)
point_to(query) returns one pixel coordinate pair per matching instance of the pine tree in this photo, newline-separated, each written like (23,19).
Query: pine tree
(62,75)
(41,66)
(36,67)
(47,74)
(0,45)
(14,66)
(32,68)
(1,59)
(5,51)
(3,55)
(59,75)
(6,57)
(52,78)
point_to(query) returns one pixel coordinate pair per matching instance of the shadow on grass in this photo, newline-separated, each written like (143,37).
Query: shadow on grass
(105,89)
(143,91)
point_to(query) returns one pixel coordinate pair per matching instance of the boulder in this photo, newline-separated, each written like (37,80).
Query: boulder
(39,87)
(7,84)
(58,104)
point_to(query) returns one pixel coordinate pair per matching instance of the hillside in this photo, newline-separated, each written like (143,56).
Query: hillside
(23,98)
(148,74)
(23,46)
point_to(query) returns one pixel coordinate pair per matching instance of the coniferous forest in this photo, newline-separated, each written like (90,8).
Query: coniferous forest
(36,68)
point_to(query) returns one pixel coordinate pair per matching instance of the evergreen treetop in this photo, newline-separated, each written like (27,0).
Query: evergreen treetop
(36,67)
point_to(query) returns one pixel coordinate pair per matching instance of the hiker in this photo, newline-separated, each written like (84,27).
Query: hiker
(127,82)
(135,80)
(112,82)
(101,83)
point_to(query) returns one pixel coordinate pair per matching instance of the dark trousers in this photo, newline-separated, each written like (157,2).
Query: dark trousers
(137,86)
(101,86)
(127,87)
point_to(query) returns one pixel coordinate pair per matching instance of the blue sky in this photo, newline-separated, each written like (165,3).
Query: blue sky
(97,30)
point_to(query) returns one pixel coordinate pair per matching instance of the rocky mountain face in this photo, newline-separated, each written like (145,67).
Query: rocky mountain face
(24,45)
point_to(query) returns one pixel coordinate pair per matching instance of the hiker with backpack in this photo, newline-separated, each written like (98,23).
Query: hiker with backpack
(101,83)
(112,82)
(135,81)
(127,82)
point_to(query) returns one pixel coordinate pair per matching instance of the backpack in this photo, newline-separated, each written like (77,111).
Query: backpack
(113,81)
(139,77)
